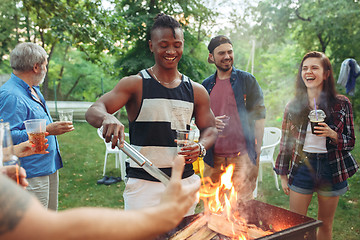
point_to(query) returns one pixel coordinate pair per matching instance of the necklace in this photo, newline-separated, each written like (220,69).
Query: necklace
(166,83)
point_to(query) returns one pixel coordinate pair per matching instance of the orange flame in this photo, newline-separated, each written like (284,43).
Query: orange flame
(221,198)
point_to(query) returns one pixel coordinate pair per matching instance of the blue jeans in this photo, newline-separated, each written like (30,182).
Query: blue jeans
(314,175)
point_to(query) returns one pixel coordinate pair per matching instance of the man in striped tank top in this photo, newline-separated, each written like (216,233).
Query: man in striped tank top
(159,100)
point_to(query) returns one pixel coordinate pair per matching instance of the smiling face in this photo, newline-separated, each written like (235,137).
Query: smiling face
(167,49)
(223,57)
(312,73)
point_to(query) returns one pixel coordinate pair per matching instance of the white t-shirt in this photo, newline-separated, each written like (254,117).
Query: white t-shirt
(314,143)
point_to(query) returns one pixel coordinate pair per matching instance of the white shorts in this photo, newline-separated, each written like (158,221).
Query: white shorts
(141,193)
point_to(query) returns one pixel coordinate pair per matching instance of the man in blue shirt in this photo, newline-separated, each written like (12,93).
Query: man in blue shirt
(20,100)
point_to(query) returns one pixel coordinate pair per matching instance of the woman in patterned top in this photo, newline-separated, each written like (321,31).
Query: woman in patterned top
(319,162)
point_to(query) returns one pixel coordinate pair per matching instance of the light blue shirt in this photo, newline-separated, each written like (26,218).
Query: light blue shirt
(17,104)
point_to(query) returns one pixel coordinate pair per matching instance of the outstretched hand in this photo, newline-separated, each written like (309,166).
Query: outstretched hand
(180,197)
(58,128)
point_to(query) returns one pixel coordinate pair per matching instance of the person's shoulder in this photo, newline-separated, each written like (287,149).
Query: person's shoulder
(208,79)
(132,79)
(243,74)
(187,79)
(198,88)
(196,85)
(10,92)
(290,104)
(293,106)
(4,89)
(130,84)
(7,86)
(14,85)
(342,100)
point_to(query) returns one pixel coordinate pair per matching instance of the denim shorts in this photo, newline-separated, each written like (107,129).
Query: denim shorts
(314,175)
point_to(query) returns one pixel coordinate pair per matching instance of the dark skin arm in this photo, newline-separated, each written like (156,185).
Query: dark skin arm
(126,93)
(205,121)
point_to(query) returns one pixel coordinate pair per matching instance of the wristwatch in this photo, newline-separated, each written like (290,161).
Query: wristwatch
(202,150)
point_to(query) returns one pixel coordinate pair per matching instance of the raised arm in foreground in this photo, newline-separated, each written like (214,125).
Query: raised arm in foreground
(22,216)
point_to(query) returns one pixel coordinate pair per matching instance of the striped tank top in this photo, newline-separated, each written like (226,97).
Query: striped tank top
(162,112)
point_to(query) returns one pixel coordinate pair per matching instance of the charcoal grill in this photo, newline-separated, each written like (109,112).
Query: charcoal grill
(286,225)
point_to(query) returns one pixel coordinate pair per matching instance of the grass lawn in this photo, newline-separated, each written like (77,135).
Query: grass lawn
(83,156)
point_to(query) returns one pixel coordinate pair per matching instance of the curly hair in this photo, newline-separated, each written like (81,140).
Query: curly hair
(165,21)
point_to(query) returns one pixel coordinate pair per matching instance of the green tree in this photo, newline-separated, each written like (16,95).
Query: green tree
(75,78)
(328,26)
(83,24)
(9,27)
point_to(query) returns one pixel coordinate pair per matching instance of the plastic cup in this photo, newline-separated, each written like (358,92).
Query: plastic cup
(183,138)
(225,120)
(66,115)
(316,117)
(36,129)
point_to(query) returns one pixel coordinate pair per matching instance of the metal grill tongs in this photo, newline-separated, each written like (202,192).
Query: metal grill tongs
(143,162)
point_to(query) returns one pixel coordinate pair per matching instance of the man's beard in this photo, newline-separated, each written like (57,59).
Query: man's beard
(39,79)
(220,68)
(223,69)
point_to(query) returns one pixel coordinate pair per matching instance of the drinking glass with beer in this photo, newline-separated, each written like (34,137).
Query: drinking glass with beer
(36,129)
(184,138)
(316,116)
